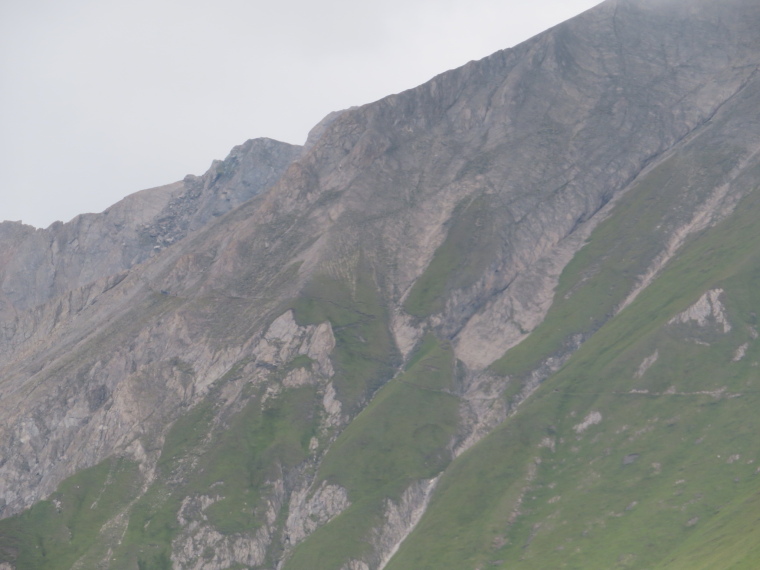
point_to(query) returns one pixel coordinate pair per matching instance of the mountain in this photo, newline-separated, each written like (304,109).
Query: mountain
(40,265)
(505,319)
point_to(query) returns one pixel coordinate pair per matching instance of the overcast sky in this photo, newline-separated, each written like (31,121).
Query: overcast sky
(101,98)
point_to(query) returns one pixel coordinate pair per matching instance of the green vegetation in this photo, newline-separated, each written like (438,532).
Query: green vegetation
(300,361)
(599,277)
(470,245)
(609,465)
(231,463)
(365,355)
(676,465)
(57,532)
(403,434)
(401,437)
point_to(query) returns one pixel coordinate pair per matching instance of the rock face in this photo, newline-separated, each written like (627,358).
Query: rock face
(290,361)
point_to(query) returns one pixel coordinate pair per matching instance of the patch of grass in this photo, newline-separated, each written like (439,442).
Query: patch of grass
(232,463)
(620,249)
(470,245)
(300,361)
(56,532)
(660,469)
(365,355)
(153,520)
(260,441)
(728,541)
(402,436)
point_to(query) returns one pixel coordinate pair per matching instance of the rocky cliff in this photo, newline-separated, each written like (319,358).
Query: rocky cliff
(310,358)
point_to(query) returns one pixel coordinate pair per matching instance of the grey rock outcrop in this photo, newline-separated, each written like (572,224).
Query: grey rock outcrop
(480,185)
(39,265)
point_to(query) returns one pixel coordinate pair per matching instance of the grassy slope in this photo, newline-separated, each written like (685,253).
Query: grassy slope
(242,452)
(460,260)
(237,459)
(619,250)
(57,532)
(584,505)
(365,355)
(402,436)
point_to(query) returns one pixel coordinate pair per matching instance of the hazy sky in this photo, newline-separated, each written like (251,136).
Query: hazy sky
(101,98)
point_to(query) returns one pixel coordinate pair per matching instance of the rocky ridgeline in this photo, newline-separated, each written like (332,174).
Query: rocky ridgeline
(40,264)
(448,211)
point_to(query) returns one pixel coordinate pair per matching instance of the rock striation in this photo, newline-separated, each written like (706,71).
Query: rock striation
(244,337)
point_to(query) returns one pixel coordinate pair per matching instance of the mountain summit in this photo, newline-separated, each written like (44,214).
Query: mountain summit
(505,319)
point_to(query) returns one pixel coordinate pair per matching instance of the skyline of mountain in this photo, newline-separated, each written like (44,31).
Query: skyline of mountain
(507,318)
(121,97)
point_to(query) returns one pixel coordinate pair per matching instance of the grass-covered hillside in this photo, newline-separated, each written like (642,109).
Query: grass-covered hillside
(641,452)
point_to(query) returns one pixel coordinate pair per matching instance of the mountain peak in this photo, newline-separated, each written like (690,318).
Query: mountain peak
(502,318)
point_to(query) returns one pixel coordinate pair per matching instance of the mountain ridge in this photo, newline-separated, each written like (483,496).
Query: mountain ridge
(396,286)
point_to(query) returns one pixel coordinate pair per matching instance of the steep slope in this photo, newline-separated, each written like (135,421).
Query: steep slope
(311,379)
(638,453)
